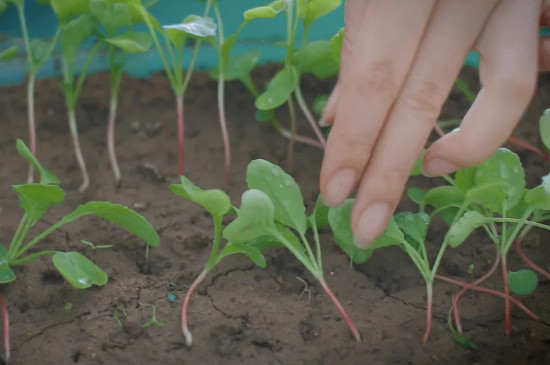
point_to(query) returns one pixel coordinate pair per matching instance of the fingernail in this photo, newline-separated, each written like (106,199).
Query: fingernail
(371,224)
(339,187)
(438,167)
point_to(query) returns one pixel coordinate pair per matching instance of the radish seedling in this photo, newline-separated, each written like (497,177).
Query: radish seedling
(176,36)
(272,213)
(35,199)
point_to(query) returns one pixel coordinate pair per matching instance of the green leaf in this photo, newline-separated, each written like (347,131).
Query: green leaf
(78,270)
(39,50)
(46,176)
(320,214)
(196,26)
(214,201)
(3,6)
(417,168)
(392,236)
(315,57)
(69,9)
(268,11)
(6,274)
(414,226)
(120,215)
(522,282)
(74,33)
(251,252)
(318,105)
(488,194)
(336,43)
(544,128)
(225,49)
(340,222)
(282,190)
(310,10)
(131,42)
(238,67)
(464,226)
(446,200)
(111,16)
(538,197)
(462,340)
(9,53)
(264,115)
(417,196)
(35,199)
(279,89)
(255,218)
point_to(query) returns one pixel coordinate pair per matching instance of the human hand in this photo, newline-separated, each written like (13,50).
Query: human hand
(399,62)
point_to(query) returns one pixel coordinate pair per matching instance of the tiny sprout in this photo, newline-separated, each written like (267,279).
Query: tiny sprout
(153,321)
(68,307)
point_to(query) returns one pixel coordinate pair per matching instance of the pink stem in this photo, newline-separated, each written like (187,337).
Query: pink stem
(32,122)
(6,321)
(305,140)
(341,310)
(185,307)
(528,146)
(464,290)
(225,136)
(507,320)
(181,126)
(530,263)
(481,289)
(309,116)
(111,138)
(78,151)
(439,131)
(429,309)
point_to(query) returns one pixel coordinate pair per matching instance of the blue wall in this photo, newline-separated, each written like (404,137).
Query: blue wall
(258,34)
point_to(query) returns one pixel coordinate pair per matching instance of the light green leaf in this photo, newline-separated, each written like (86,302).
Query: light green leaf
(268,11)
(6,274)
(522,282)
(255,218)
(538,197)
(249,251)
(9,53)
(111,16)
(315,57)
(279,89)
(340,222)
(131,42)
(74,33)
(46,176)
(392,236)
(310,10)
(214,201)
(282,190)
(39,50)
(195,25)
(238,67)
(464,226)
(417,168)
(35,199)
(418,196)
(414,226)
(319,103)
(544,128)
(120,215)
(336,43)
(69,9)
(78,270)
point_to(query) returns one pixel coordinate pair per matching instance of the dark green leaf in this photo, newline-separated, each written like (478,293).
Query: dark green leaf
(79,271)
(69,9)
(264,115)
(214,201)
(544,128)
(268,11)
(340,223)
(462,340)
(249,251)
(35,199)
(46,176)
(522,282)
(131,42)
(9,53)
(315,57)
(414,226)
(320,214)
(418,196)
(119,215)
(392,236)
(6,274)
(282,190)
(3,6)
(279,89)
(318,105)
(255,218)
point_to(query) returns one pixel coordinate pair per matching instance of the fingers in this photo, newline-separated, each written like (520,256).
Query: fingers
(415,111)
(381,57)
(508,75)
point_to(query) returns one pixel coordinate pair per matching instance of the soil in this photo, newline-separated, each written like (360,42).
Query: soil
(241,314)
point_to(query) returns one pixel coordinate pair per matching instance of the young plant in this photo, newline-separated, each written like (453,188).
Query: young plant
(37,52)
(176,37)
(113,18)
(35,199)
(271,213)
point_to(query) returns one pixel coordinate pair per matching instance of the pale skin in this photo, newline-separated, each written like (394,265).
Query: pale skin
(399,62)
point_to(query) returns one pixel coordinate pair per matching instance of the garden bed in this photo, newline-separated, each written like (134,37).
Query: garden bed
(241,314)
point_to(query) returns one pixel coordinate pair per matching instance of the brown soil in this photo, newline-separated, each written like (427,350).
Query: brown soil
(241,314)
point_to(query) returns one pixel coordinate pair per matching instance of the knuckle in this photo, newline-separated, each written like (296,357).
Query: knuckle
(379,79)
(425,99)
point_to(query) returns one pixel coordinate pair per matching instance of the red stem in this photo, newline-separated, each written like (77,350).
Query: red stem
(464,290)
(225,136)
(528,146)
(528,262)
(429,309)
(341,310)
(185,307)
(481,289)
(6,321)
(181,126)
(507,320)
